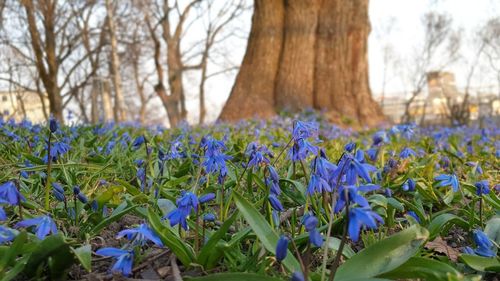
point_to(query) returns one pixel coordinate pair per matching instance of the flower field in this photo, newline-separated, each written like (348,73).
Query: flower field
(285,199)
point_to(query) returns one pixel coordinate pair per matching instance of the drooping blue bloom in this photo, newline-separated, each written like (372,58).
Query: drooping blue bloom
(318,184)
(124,259)
(350,147)
(301,147)
(57,149)
(310,223)
(257,155)
(138,142)
(359,218)
(185,204)
(484,246)
(275,203)
(206,198)
(79,195)
(282,248)
(3,215)
(209,217)
(409,185)
(304,130)
(140,235)
(407,152)
(44,226)
(482,187)
(468,250)
(273,181)
(353,195)
(354,167)
(9,194)
(53,124)
(379,137)
(388,192)
(6,234)
(448,180)
(413,215)
(372,153)
(297,276)
(476,168)
(58,191)
(321,166)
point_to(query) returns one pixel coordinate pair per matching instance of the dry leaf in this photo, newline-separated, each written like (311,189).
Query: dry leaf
(440,246)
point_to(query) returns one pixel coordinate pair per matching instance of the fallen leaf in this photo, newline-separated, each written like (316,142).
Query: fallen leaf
(440,246)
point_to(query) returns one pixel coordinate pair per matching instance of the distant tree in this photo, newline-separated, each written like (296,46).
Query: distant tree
(306,54)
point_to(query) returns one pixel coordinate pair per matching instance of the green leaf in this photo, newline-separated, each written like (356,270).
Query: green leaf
(54,252)
(423,268)
(172,241)
(492,229)
(384,255)
(234,277)
(443,222)
(84,255)
(207,252)
(263,230)
(334,243)
(114,217)
(296,193)
(13,251)
(481,263)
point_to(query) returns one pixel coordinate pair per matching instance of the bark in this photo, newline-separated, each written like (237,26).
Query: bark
(306,55)
(45,56)
(253,91)
(119,110)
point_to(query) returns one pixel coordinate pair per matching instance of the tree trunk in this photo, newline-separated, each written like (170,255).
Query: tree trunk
(253,91)
(119,110)
(306,54)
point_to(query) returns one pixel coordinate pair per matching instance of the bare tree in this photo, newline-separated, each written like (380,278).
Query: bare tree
(438,32)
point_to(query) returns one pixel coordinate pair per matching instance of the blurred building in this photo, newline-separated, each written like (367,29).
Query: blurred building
(19,105)
(435,103)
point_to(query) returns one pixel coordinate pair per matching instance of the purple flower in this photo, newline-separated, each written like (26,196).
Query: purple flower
(318,184)
(359,218)
(484,246)
(282,248)
(140,234)
(409,185)
(9,194)
(185,203)
(6,234)
(310,223)
(138,142)
(209,217)
(53,125)
(124,259)
(275,203)
(448,180)
(206,198)
(353,195)
(407,152)
(3,215)
(58,191)
(44,226)
(482,187)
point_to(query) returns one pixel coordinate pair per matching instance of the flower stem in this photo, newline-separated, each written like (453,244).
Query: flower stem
(49,168)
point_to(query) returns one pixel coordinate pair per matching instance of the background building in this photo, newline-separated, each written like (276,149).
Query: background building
(19,105)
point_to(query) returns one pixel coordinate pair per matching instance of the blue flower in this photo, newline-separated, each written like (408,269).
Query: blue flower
(304,130)
(9,194)
(273,181)
(124,259)
(414,215)
(448,180)
(206,198)
(53,124)
(359,218)
(185,203)
(140,234)
(81,197)
(57,149)
(275,203)
(258,155)
(409,185)
(353,195)
(476,168)
(3,215)
(482,187)
(379,137)
(58,191)
(483,244)
(350,147)
(6,234)
(209,217)
(310,223)
(407,152)
(138,142)
(298,276)
(318,184)
(44,226)
(282,248)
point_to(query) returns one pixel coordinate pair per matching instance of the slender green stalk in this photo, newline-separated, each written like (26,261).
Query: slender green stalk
(49,169)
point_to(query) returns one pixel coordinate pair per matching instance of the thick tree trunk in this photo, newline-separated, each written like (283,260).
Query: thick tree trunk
(315,58)
(253,92)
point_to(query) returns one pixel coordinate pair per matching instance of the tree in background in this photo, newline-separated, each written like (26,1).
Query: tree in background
(306,54)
